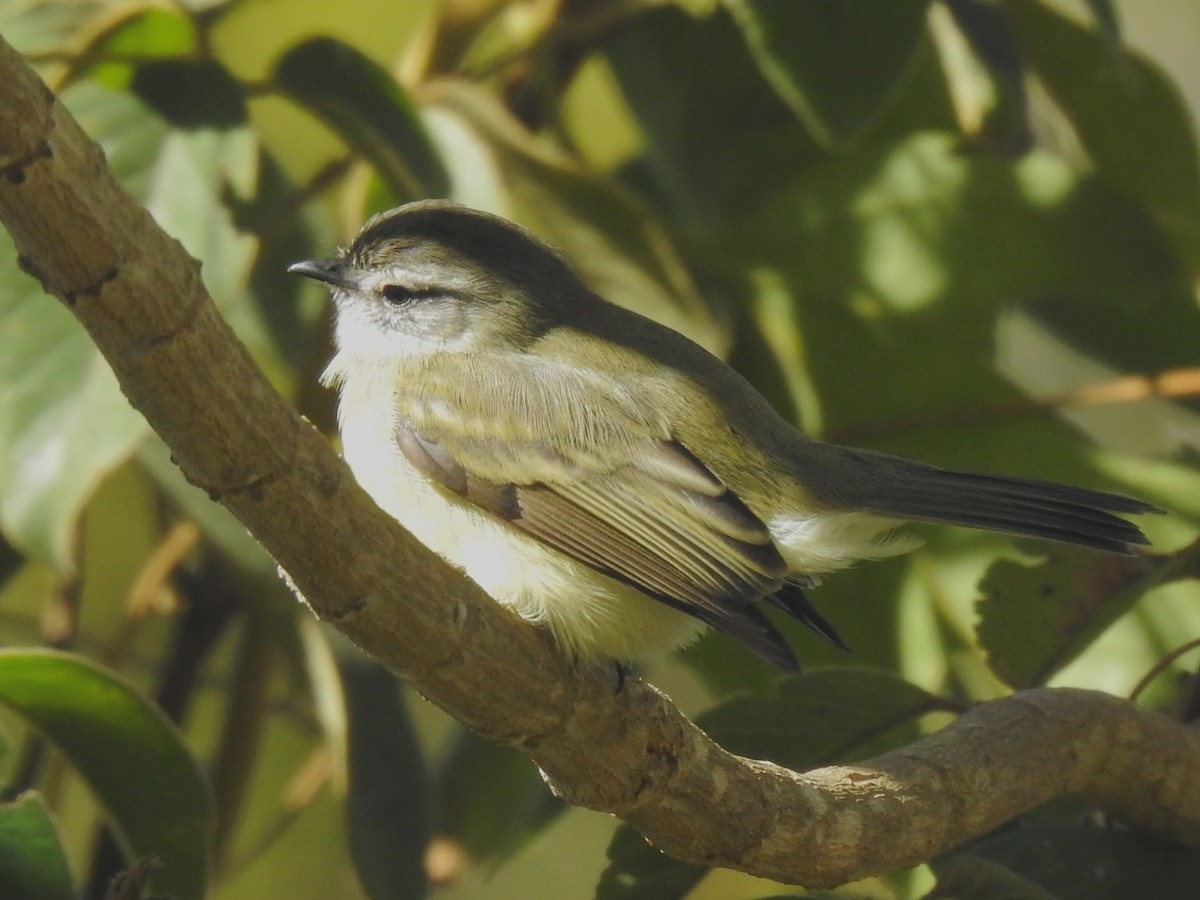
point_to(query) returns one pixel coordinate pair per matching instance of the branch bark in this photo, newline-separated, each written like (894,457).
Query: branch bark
(630,753)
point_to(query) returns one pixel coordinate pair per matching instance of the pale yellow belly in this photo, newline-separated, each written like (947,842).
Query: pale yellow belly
(590,615)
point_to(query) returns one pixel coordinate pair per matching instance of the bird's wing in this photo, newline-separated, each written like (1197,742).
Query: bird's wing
(635,505)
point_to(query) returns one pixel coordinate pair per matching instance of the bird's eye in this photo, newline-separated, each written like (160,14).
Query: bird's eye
(397,294)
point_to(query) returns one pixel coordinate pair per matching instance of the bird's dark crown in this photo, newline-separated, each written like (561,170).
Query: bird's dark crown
(492,244)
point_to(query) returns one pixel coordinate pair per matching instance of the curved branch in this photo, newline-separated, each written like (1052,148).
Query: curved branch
(630,752)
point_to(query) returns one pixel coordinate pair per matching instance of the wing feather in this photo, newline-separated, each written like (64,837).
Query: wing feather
(659,521)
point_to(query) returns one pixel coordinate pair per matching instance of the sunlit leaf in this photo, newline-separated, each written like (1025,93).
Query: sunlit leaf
(150,33)
(127,751)
(368,110)
(33,862)
(64,423)
(985,26)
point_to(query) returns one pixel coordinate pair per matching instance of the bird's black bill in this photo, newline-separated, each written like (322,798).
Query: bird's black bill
(330,271)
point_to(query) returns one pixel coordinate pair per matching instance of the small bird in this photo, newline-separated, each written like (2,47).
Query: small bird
(604,476)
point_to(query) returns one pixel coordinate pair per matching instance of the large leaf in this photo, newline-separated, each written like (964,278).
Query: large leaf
(490,798)
(64,423)
(369,111)
(387,808)
(1131,119)
(824,716)
(1072,861)
(837,65)
(901,261)
(126,750)
(1034,619)
(33,862)
(716,139)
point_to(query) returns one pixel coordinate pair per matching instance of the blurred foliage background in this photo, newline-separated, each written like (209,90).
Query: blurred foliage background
(967,231)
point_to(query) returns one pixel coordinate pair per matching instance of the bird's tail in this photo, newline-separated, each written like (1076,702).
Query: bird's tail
(904,489)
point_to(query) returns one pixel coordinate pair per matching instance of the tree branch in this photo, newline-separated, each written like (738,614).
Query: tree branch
(630,752)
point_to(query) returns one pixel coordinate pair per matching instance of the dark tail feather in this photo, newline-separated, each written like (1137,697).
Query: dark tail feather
(904,489)
(793,601)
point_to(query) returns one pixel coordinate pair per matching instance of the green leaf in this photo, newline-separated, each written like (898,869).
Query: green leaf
(367,108)
(128,753)
(1079,861)
(987,29)
(716,139)
(152,32)
(64,423)
(387,805)
(33,862)
(191,93)
(964,877)
(637,871)
(1033,620)
(490,798)
(824,716)
(837,65)
(903,259)
(45,28)
(1133,123)
(115,51)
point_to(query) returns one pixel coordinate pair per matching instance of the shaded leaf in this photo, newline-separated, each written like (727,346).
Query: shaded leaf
(637,871)
(837,65)
(368,109)
(191,93)
(1082,861)
(966,877)
(1130,118)
(387,807)
(129,754)
(33,862)
(1033,620)
(716,141)
(490,798)
(824,716)
(1108,22)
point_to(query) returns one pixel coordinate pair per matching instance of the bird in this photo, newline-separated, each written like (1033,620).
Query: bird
(601,474)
